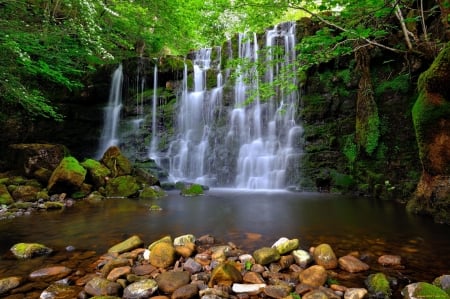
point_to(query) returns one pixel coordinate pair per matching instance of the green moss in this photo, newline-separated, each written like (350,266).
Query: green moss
(424,290)
(192,190)
(123,186)
(379,284)
(72,164)
(349,148)
(400,83)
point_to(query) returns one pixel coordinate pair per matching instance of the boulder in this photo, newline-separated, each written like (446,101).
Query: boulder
(67,177)
(423,290)
(97,173)
(116,162)
(122,186)
(378,285)
(151,192)
(25,193)
(30,250)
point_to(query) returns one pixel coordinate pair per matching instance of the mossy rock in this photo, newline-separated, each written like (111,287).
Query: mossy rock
(97,172)
(223,273)
(152,192)
(25,193)
(5,196)
(30,250)
(192,190)
(122,186)
(127,245)
(424,290)
(116,162)
(67,177)
(54,205)
(378,285)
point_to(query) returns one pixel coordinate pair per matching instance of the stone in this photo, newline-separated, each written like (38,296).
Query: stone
(67,177)
(169,281)
(50,273)
(302,257)
(9,283)
(423,290)
(60,291)
(185,292)
(378,284)
(247,288)
(443,282)
(352,264)
(225,272)
(118,272)
(192,266)
(98,286)
(266,255)
(183,240)
(140,289)
(277,291)
(116,162)
(285,245)
(97,173)
(355,293)
(25,193)
(30,250)
(112,264)
(185,250)
(162,255)
(253,277)
(122,186)
(286,261)
(127,245)
(203,258)
(315,276)
(144,269)
(390,260)
(324,256)
(5,196)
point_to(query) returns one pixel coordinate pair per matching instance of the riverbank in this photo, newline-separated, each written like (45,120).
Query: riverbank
(188,267)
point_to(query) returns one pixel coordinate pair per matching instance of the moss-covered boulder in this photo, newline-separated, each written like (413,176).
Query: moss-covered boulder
(122,186)
(423,290)
(152,192)
(192,190)
(67,177)
(431,116)
(96,172)
(25,193)
(127,245)
(116,162)
(5,197)
(30,250)
(378,285)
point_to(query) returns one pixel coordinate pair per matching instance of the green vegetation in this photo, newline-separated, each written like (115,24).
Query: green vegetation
(192,190)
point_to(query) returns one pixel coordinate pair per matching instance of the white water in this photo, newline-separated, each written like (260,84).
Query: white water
(154,142)
(262,138)
(109,136)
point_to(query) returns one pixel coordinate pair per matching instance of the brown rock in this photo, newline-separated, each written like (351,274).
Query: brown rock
(162,255)
(277,291)
(145,269)
(225,272)
(314,276)
(50,273)
(352,264)
(98,286)
(9,283)
(253,277)
(390,260)
(185,292)
(169,281)
(324,256)
(118,272)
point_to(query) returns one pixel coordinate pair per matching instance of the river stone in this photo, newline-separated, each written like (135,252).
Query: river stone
(167,239)
(247,287)
(60,291)
(144,269)
(122,186)
(140,289)
(219,253)
(5,196)
(96,172)
(98,286)
(277,291)
(324,256)
(68,176)
(443,282)
(169,281)
(390,260)
(30,250)
(225,272)
(285,245)
(185,292)
(116,162)
(352,264)
(182,240)
(355,293)
(314,276)
(112,264)
(266,255)
(118,272)
(9,283)
(302,257)
(162,255)
(253,277)
(192,266)
(423,290)
(378,284)
(25,193)
(185,250)
(50,273)
(127,245)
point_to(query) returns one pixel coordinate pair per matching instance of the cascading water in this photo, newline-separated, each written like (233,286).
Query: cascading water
(154,142)
(109,136)
(260,147)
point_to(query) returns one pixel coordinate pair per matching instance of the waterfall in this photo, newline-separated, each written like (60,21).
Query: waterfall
(252,143)
(109,136)
(154,142)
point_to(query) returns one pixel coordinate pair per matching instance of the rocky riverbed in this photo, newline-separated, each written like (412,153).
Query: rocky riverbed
(188,267)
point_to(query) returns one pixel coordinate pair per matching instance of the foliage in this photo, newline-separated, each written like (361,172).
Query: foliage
(350,149)
(400,83)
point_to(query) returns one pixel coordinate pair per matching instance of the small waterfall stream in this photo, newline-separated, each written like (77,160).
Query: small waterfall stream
(109,136)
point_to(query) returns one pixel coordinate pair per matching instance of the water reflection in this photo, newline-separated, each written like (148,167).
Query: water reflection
(250,220)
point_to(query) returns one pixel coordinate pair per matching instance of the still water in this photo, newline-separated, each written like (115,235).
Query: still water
(248,219)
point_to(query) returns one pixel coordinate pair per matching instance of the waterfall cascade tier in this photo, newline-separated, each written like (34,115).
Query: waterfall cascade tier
(109,136)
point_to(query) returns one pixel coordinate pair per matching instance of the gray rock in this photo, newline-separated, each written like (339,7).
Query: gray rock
(98,286)
(141,289)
